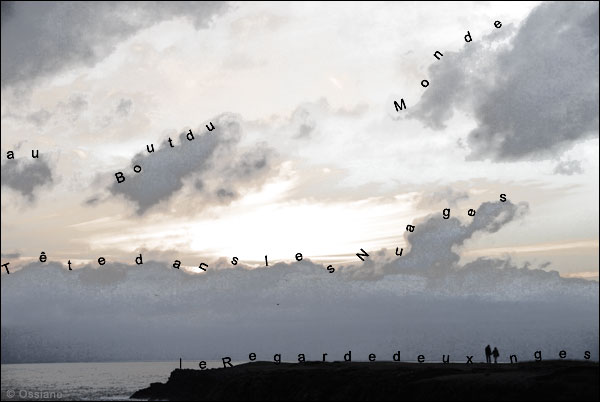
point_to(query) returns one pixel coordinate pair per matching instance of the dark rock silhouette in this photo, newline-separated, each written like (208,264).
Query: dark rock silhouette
(546,380)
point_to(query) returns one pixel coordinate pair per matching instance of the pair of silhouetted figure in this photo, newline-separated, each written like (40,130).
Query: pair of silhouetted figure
(489,353)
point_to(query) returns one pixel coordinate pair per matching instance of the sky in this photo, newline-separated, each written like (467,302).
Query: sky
(308,155)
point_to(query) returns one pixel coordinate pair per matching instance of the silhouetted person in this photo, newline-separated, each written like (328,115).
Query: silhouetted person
(495,353)
(488,354)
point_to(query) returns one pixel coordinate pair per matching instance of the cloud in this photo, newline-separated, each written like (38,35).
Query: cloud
(568,168)
(532,95)
(124,107)
(93,200)
(422,303)
(304,122)
(157,312)
(74,106)
(40,117)
(11,255)
(8,9)
(446,195)
(220,166)
(27,177)
(44,38)
(433,242)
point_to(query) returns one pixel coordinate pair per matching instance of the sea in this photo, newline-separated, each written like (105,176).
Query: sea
(86,381)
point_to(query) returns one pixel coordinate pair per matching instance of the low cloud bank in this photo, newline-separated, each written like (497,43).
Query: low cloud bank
(413,303)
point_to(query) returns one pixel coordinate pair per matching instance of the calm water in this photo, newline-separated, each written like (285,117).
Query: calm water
(84,381)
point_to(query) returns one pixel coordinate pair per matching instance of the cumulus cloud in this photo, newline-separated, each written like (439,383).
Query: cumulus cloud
(219,165)
(42,38)
(27,177)
(568,168)
(532,95)
(427,305)
(432,245)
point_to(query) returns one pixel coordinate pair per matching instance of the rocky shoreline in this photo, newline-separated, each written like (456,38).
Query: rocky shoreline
(545,380)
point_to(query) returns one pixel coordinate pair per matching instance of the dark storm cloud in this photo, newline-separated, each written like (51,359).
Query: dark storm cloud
(221,168)
(26,177)
(43,38)
(532,98)
(568,168)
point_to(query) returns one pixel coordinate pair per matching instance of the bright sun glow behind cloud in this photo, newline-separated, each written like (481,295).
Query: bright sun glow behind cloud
(251,228)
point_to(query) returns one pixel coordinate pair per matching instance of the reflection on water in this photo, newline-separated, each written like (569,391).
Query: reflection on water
(85,381)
